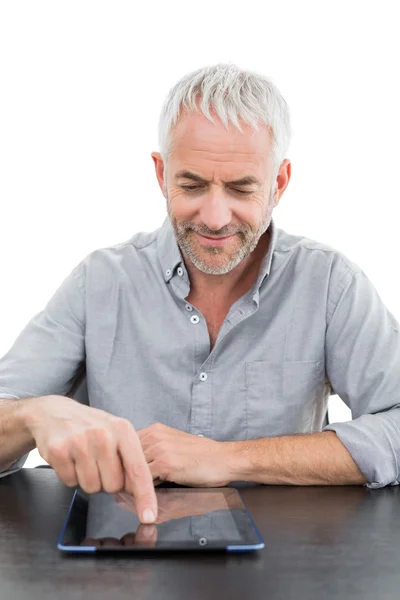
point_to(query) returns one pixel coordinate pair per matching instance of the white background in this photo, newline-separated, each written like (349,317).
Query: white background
(82,84)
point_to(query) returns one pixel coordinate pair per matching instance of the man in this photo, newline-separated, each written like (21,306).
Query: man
(210,345)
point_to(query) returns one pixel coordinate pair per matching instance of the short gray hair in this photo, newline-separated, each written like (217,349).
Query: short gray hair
(232,92)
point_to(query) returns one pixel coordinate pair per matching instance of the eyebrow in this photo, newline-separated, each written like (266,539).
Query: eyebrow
(248,180)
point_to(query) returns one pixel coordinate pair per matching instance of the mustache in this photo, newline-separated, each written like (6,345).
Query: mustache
(210,232)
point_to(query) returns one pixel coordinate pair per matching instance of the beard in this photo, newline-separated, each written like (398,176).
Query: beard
(219,260)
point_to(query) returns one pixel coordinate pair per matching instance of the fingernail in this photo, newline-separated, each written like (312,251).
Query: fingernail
(148,532)
(148,516)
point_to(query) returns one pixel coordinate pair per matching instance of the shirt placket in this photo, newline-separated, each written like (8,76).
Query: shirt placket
(201,401)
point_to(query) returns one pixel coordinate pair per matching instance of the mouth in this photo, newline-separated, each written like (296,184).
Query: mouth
(214,241)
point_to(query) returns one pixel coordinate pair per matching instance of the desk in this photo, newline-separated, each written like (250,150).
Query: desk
(321,542)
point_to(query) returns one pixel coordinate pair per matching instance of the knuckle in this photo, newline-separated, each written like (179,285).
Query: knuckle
(69,481)
(123,426)
(151,437)
(114,486)
(91,487)
(79,448)
(66,472)
(161,450)
(164,463)
(102,437)
(57,451)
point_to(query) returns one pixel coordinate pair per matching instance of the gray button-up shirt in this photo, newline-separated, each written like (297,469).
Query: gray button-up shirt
(312,325)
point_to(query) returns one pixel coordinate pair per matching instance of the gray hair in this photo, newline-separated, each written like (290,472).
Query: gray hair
(233,93)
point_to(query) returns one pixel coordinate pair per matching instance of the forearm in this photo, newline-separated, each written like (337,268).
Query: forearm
(15,438)
(302,459)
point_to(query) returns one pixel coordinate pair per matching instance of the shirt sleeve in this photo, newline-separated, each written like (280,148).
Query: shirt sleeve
(48,353)
(362,348)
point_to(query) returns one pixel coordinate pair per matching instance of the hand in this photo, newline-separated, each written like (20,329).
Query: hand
(91,448)
(186,459)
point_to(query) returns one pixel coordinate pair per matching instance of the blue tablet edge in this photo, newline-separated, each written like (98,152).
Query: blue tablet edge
(72,548)
(250,547)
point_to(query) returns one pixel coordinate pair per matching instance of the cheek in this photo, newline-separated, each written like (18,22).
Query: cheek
(259,205)
(251,212)
(174,194)
(259,210)
(179,204)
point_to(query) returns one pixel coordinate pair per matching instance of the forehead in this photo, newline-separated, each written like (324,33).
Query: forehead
(195,137)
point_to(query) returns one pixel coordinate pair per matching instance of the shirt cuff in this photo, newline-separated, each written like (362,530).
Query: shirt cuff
(374,444)
(15,466)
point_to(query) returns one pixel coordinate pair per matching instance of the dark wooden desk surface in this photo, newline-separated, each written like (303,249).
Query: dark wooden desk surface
(336,542)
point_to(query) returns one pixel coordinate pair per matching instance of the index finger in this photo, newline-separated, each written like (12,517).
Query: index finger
(139,474)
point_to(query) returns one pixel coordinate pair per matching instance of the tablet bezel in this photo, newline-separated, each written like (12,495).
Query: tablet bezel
(177,546)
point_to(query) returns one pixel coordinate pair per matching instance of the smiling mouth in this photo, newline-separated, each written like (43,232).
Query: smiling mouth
(224,237)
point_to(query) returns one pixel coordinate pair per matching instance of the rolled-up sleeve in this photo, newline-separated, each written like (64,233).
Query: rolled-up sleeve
(48,353)
(362,353)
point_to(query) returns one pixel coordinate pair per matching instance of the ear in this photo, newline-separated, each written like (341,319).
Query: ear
(159,166)
(283,179)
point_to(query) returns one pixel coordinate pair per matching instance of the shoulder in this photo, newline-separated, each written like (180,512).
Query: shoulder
(312,253)
(130,248)
(104,266)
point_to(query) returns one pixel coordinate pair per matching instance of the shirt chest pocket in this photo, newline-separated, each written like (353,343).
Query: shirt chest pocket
(281,396)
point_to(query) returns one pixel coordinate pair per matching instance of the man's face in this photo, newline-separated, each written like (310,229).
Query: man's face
(217,207)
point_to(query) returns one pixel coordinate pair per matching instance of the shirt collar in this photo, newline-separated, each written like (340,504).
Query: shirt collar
(170,255)
(169,252)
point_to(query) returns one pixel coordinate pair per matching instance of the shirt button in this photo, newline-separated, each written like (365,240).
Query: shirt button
(195,319)
(180,271)
(188,307)
(203,376)
(168,272)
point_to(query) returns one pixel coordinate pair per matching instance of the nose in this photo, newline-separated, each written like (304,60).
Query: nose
(215,212)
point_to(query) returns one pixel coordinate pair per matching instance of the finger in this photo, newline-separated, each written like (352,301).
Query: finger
(64,466)
(141,433)
(158,475)
(151,453)
(159,427)
(86,468)
(146,535)
(138,473)
(109,464)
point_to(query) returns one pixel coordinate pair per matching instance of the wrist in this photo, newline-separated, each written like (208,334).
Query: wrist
(30,412)
(238,461)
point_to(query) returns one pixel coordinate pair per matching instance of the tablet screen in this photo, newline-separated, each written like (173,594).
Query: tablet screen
(188,519)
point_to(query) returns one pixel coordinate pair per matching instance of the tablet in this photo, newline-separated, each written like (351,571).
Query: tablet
(200,519)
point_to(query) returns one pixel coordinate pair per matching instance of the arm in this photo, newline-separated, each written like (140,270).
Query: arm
(362,353)
(310,459)
(43,361)
(363,365)
(15,438)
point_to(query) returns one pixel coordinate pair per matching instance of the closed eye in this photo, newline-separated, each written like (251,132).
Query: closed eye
(199,187)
